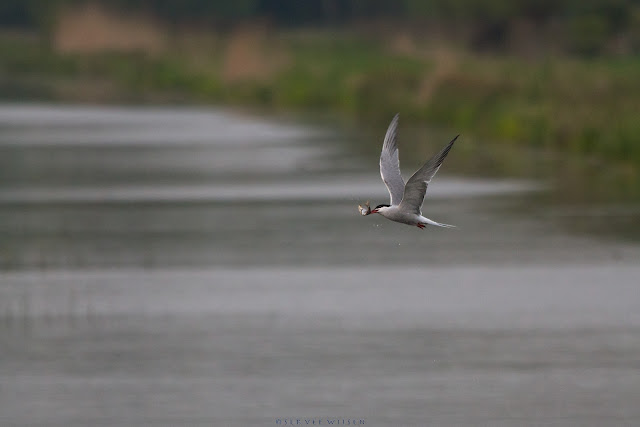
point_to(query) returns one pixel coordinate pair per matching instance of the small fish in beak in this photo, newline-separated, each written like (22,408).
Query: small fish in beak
(366,210)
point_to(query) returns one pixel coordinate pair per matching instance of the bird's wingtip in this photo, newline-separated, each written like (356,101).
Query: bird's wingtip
(453,140)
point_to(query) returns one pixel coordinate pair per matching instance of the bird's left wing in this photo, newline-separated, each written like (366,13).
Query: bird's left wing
(416,186)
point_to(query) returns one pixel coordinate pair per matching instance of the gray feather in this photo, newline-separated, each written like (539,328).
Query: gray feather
(416,187)
(390,164)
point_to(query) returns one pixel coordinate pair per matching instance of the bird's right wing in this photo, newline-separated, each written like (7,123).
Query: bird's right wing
(390,164)
(416,187)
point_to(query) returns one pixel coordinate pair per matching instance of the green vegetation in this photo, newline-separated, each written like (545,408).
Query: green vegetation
(587,106)
(561,75)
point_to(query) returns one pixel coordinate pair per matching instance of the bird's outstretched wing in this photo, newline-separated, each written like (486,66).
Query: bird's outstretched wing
(417,185)
(390,164)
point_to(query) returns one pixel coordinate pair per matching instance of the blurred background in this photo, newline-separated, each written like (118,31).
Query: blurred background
(179,238)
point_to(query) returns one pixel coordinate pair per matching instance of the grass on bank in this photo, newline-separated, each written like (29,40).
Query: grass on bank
(585,106)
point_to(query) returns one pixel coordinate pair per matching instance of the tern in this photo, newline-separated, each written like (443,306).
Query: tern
(406,199)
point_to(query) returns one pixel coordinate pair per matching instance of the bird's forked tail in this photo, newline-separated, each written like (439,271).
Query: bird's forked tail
(438,224)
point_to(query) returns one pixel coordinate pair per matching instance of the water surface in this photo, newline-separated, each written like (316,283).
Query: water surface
(192,266)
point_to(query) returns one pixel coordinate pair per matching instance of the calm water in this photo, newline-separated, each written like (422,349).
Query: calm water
(165,267)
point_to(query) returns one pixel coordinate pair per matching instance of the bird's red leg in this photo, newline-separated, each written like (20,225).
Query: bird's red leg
(420,225)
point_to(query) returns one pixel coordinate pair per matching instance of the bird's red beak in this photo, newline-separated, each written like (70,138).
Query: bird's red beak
(374,211)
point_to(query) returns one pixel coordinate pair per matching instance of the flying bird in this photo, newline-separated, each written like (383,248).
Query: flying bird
(406,199)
